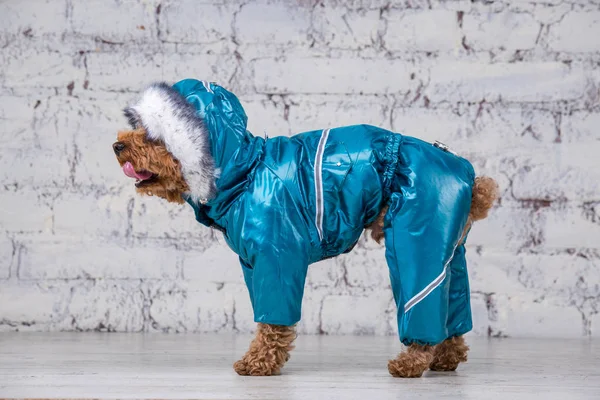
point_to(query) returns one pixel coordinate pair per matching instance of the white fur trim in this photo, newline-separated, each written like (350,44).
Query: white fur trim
(167,116)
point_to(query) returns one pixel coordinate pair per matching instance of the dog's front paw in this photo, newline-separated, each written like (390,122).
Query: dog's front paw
(241,367)
(248,366)
(400,369)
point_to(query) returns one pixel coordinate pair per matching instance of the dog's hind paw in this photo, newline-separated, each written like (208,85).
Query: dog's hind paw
(411,363)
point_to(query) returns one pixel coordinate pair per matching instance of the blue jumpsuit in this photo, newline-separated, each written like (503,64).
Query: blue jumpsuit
(284,203)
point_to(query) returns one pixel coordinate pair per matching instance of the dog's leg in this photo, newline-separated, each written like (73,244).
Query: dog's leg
(448,354)
(412,362)
(268,352)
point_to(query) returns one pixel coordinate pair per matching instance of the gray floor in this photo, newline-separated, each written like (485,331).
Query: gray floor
(96,365)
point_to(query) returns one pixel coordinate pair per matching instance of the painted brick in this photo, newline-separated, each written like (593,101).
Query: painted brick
(25,211)
(201,307)
(326,273)
(99,215)
(504,30)
(211,68)
(33,151)
(538,274)
(7,256)
(33,18)
(269,116)
(39,305)
(576,32)
(479,129)
(69,258)
(129,20)
(418,30)
(581,127)
(81,250)
(279,22)
(104,305)
(336,76)
(524,3)
(154,218)
(536,81)
(366,268)
(442,125)
(194,22)
(493,268)
(320,112)
(217,264)
(352,29)
(545,273)
(39,167)
(595,325)
(132,72)
(59,69)
(242,317)
(506,228)
(368,315)
(521,316)
(480,315)
(561,172)
(124,71)
(572,228)
(17,115)
(312,302)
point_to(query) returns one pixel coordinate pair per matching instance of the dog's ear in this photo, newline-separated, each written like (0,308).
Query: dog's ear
(133,117)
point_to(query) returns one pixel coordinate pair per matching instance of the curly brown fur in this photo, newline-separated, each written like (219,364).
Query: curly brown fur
(448,354)
(485,193)
(143,154)
(412,362)
(376,226)
(268,352)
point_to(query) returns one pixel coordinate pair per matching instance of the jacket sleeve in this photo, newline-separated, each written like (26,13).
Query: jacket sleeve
(276,245)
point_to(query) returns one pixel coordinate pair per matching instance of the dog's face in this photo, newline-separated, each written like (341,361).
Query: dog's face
(150,163)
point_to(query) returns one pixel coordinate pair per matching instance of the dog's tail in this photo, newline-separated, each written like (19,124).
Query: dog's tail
(485,193)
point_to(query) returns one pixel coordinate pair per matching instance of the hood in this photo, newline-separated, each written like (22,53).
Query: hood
(201,124)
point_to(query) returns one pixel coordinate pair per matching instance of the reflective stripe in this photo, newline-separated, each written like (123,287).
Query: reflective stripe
(319,183)
(431,287)
(207,86)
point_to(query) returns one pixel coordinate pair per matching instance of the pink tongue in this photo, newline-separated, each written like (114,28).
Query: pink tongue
(130,172)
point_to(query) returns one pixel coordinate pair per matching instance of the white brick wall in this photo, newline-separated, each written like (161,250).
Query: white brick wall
(513,85)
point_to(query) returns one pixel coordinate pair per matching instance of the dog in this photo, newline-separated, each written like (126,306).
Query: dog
(283,203)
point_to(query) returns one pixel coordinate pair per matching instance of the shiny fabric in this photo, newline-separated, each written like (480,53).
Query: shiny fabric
(286,202)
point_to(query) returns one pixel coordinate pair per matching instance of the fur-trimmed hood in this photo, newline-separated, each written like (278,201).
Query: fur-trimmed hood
(201,124)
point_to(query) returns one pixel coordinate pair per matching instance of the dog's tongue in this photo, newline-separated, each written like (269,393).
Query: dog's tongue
(130,172)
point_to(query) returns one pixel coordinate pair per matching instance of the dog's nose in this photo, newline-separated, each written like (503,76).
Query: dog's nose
(118,147)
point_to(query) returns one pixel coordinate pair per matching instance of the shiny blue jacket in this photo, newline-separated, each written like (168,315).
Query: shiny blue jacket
(284,203)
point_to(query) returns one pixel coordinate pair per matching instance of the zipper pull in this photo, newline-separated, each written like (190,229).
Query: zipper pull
(443,147)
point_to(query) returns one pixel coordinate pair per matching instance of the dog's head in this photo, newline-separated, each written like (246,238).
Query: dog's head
(167,149)
(155,170)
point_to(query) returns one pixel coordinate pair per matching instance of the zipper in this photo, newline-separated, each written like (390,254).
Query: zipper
(318,178)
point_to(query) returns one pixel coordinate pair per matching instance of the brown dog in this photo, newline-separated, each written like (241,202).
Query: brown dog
(158,173)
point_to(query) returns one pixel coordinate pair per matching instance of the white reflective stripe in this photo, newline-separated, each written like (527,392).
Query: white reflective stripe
(431,287)
(207,86)
(319,182)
